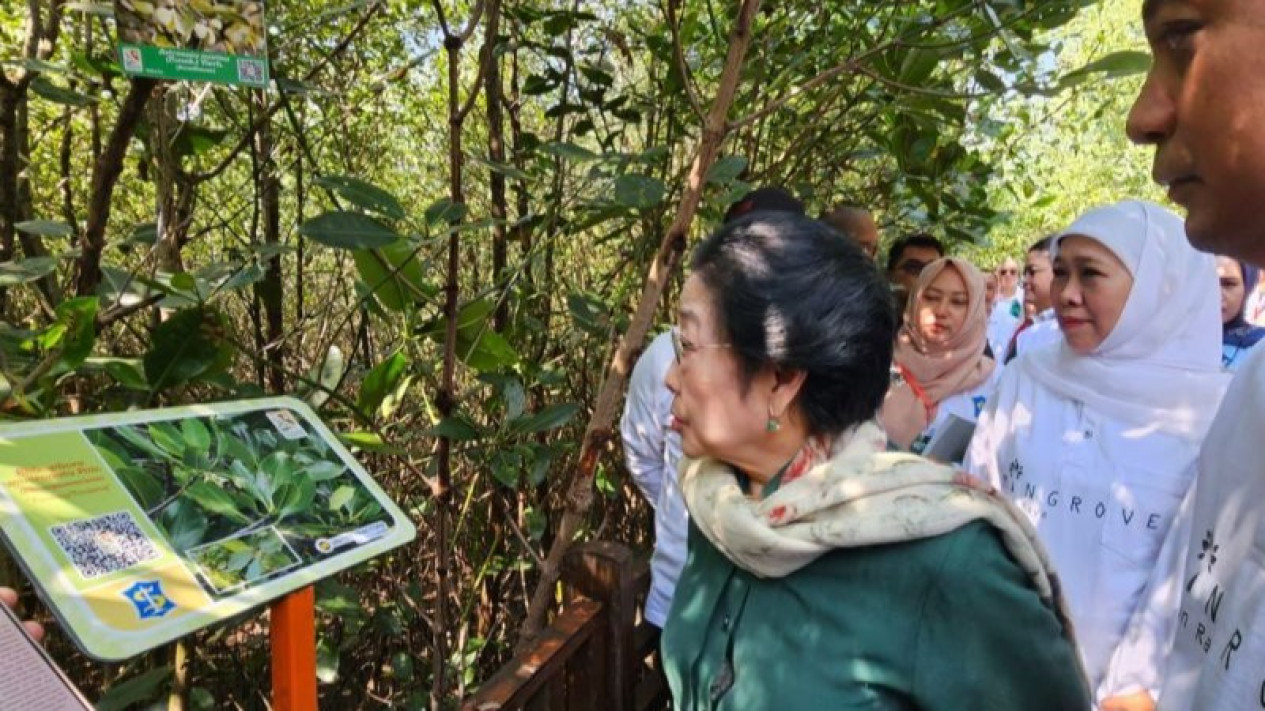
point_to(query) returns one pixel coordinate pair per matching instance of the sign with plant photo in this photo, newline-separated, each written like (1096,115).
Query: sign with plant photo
(222,41)
(141,527)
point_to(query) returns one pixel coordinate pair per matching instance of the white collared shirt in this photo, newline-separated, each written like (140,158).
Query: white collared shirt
(652,452)
(1102,496)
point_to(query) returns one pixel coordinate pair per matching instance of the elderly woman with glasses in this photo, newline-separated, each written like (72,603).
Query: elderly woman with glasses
(824,571)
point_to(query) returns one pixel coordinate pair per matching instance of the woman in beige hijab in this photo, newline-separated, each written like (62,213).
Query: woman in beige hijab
(939,368)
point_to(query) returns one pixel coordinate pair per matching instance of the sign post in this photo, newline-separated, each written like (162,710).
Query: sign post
(294,651)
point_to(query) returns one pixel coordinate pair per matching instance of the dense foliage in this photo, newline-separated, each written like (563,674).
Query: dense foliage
(436,227)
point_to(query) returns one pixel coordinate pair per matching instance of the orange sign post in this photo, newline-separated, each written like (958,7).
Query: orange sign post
(294,651)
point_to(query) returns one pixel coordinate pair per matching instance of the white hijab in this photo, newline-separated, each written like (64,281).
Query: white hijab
(1160,367)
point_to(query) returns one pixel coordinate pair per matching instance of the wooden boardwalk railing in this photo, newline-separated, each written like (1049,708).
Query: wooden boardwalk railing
(596,654)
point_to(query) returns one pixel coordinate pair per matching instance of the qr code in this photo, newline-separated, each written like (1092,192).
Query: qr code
(250,71)
(105,544)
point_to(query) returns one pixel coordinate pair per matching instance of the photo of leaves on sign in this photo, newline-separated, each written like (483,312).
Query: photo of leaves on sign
(242,498)
(227,26)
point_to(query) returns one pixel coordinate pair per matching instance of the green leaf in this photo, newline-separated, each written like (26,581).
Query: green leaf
(381,382)
(26,270)
(125,371)
(45,228)
(548,418)
(368,441)
(1116,64)
(186,525)
(569,151)
(143,687)
(79,317)
(296,498)
(166,436)
(334,598)
(348,230)
(147,491)
(727,169)
(60,95)
(363,195)
(185,347)
(639,191)
(328,375)
(989,81)
(341,497)
(193,140)
(196,435)
(395,274)
(250,274)
(505,169)
(455,428)
(445,210)
(215,500)
(326,661)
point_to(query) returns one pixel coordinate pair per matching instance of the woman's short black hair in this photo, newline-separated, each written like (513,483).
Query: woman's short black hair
(791,293)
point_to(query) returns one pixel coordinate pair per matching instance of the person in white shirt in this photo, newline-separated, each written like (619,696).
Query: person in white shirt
(1096,438)
(1001,325)
(1202,106)
(652,451)
(939,367)
(1009,293)
(1039,328)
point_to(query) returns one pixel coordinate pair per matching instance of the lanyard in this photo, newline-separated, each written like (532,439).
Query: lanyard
(921,394)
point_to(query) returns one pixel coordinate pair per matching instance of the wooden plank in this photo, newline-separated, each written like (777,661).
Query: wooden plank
(516,682)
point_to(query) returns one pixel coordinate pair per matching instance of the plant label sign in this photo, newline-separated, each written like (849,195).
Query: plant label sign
(221,41)
(141,527)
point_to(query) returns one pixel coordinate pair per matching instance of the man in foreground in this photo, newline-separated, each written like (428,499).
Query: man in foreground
(1203,108)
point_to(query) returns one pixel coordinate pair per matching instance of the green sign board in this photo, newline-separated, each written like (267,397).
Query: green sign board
(139,528)
(223,41)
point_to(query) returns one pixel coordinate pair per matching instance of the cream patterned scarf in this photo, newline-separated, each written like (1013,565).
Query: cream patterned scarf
(861,496)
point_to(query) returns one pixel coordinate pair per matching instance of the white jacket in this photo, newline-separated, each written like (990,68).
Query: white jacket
(1218,656)
(1103,496)
(652,452)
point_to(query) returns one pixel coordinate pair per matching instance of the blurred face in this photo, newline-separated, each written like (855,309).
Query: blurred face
(942,307)
(1089,290)
(990,292)
(910,265)
(866,234)
(1008,277)
(1038,272)
(1232,294)
(1202,107)
(711,411)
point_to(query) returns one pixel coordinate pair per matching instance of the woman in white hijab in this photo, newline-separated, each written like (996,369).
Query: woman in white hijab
(1095,438)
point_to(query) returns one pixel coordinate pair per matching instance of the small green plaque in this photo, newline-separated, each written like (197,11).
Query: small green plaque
(221,41)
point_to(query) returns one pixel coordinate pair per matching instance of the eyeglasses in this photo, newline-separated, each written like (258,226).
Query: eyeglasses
(1008,272)
(681,348)
(912,267)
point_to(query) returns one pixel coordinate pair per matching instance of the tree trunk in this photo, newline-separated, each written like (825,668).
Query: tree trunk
(105,175)
(492,91)
(598,433)
(270,289)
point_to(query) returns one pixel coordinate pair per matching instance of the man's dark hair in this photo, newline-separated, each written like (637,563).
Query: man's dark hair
(790,294)
(1042,245)
(770,199)
(918,239)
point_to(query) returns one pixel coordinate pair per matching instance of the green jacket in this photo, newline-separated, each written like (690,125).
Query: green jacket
(948,623)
